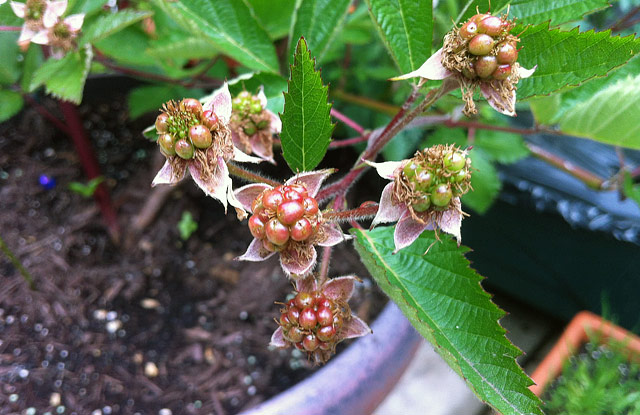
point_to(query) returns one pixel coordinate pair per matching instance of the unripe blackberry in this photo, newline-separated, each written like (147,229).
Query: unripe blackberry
(491,25)
(250,130)
(161,123)
(324,316)
(454,161)
(468,30)
(293,314)
(502,72)
(410,170)
(441,196)
(200,136)
(301,230)
(290,211)
(308,318)
(507,53)
(210,120)
(481,44)
(256,226)
(422,204)
(326,333)
(276,232)
(295,334)
(485,66)
(310,342)
(191,105)
(184,149)
(165,141)
(272,198)
(303,300)
(310,206)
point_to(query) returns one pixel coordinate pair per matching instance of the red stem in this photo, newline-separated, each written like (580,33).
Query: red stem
(10,28)
(583,175)
(90,166)
(348,121)
(47,114)
(366,210)
(348,141)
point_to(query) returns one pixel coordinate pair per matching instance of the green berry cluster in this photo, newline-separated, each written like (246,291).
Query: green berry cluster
(435,182)
(312,322)
(245,108)
(491,50)
(185,127)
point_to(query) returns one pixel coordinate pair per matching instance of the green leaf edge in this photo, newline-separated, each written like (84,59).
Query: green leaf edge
(412,314)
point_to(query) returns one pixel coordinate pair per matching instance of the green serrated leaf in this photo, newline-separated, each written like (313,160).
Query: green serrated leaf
(10,104)
(319,22)
(306,121)
(442,297)
(274,87)
(546,109)
(484,180)
(406,28)
(231,27)
(32,61)
(569,58)
(65,78)
(105,26)
(88,7)
(610,116)
(183,48)
(150,98)
(9,51)
(8,17)
(274,15)
(127,46)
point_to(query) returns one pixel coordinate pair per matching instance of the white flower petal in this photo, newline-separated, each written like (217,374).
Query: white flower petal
(247,194)
(312,180)
(20,9)
(262,97)
(407,231)
(504,105)
(40,38)
(277,338)
(276,123)
(451,220)
(74,22)
(431,69)
(387,210)
(220,103)
(525,73)
(166,175)
(241,157)
(216,186)
(340,288)
(255,252)
(386,169)
(355,327)
(297,266)
(334,235)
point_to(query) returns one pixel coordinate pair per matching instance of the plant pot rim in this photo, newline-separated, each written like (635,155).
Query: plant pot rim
(575,335)
(357,380)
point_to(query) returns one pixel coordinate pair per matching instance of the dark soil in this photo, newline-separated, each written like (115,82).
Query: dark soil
(148,323)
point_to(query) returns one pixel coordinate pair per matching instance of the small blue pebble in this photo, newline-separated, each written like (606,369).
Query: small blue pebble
(47,182)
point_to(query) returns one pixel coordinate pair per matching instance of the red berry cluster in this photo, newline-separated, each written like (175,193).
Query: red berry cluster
(312,322)
(283,214)
(491,50)
(185,127)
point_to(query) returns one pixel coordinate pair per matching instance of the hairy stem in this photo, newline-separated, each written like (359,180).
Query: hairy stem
(324,265)
(250,176)
(42,110)
(382,107)
(10,28)
(585,176)
(366,211)
(17,264)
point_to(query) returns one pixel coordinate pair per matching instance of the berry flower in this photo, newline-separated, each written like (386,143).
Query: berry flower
(39,16)
(197,138)
(286,219)
(253,125)
(424,193)
(479,54)
(318,318)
